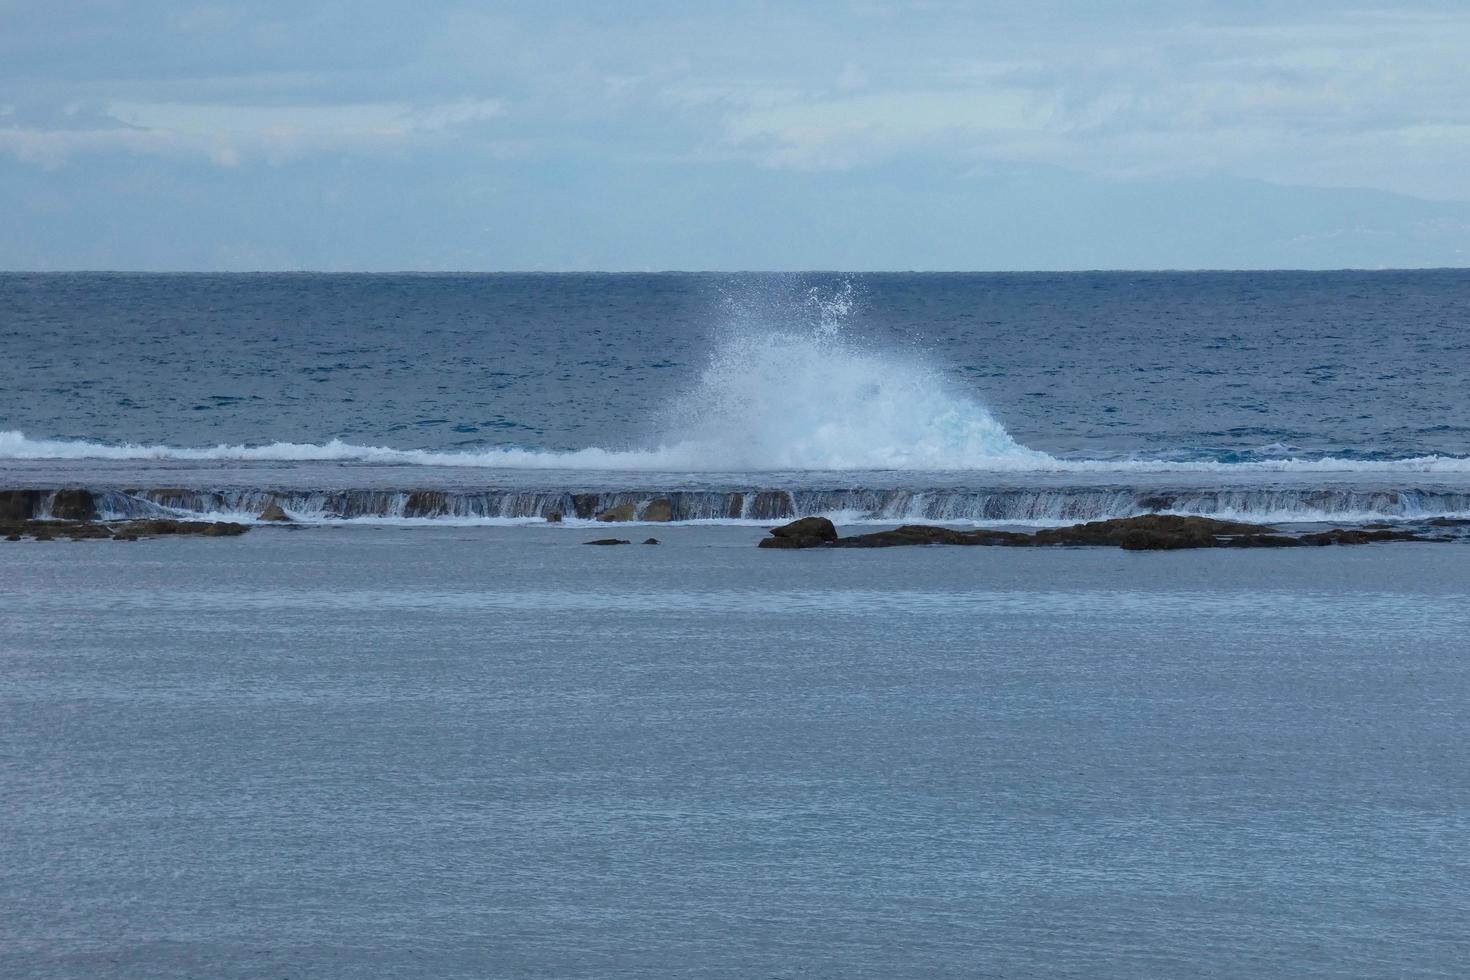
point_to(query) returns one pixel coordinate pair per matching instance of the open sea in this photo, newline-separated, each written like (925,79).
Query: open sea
(424,732)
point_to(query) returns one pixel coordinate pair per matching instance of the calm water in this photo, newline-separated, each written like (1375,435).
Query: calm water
(495,752)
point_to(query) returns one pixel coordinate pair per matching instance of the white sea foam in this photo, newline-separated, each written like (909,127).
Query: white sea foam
(982,451)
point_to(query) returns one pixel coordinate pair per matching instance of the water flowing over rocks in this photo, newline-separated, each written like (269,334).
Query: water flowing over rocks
(18,505)
(1039,505)
(72,505)
(1148,532)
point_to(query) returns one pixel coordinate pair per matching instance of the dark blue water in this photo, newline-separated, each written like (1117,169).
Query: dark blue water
(1201,365)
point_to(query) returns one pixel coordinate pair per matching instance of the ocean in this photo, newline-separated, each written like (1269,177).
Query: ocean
(421,730)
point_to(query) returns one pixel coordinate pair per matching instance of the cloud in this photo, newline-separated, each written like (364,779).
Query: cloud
(227,134)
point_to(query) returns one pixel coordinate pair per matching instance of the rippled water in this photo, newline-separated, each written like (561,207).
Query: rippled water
(495,752)
(1089,364)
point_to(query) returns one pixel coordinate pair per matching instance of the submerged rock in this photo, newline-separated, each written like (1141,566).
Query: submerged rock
(910,534)
(553,517)
(50,530)
(650,540)
(622,512)
(608,541)
(273,512)
(1149,532)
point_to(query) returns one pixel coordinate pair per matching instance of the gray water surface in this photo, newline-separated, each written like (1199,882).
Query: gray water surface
(456,752)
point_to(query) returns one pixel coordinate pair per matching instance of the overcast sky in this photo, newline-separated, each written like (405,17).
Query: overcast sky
(375,134)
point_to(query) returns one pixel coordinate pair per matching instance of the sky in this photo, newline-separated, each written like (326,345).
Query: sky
(437,135)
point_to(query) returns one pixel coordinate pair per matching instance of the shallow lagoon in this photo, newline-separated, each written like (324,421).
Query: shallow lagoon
(491,750)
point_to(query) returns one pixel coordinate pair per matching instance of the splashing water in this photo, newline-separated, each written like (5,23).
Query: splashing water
(800,397)
(812,400)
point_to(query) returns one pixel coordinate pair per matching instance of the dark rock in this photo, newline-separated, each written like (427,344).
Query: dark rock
(734,505)
(916,534)
(660,509)
(807,527)
(608,541)
(73,505)
(1357,536)
(584,505)
(650,540)
(619,513)
(425,503)
(808,532)
(1149,532)
(790,544)
(50,530)
(553,517)
(12,537)
(273,512)
(18,505)
(770,505)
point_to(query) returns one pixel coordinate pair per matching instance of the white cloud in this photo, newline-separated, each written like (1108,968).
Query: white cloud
(228,134)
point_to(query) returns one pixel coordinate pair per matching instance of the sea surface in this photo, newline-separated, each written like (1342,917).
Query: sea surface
(423,731)
(495,752)
(982,398)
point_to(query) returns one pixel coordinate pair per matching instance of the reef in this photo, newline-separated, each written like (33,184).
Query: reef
(1148,532)
(51,530)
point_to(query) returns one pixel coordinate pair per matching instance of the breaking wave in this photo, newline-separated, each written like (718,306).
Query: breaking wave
(778,400)
(984,449)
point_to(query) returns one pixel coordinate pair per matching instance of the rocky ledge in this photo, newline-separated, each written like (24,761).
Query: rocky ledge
(1150,532)
(115,530)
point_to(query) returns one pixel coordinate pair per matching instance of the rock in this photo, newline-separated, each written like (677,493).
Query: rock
(735,505)
(425,503)
(807,527)
(770,505)
(18,505)
(50,530)
(808,532)
(608,541)
(915,534)
(621,512)
(584,505)
(1149,532)
(660,509)
(553,517)
(650,540)
(273,512)
(73,505)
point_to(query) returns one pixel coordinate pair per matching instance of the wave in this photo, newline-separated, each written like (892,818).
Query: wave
(703,458)
(781,400)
